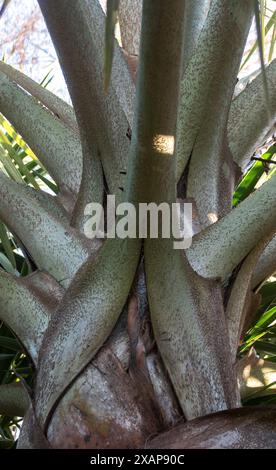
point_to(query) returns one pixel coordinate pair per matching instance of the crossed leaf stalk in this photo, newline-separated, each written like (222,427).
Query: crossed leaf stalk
(130,337)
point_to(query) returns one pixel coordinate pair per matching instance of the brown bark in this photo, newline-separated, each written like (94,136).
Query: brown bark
(244,428)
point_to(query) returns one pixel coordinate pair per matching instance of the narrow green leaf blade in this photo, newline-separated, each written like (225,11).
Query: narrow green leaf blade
(7,244)
(111,20)
(251,178)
